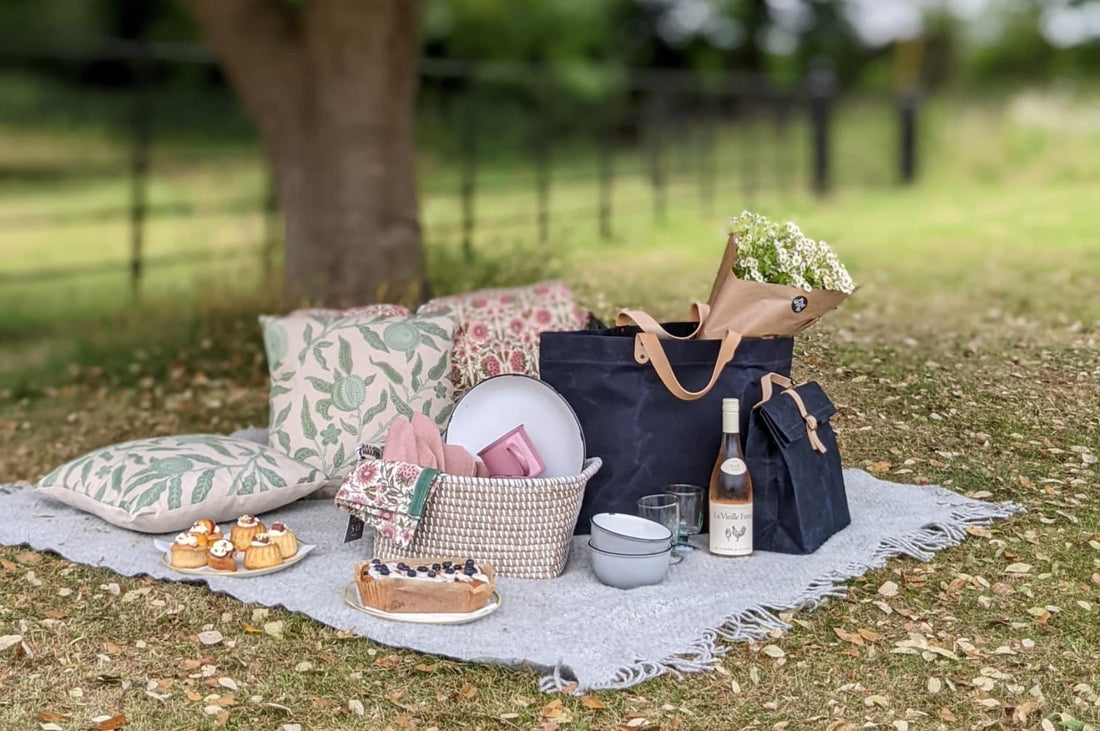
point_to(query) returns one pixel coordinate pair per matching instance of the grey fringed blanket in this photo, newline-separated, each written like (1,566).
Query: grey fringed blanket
(571,629)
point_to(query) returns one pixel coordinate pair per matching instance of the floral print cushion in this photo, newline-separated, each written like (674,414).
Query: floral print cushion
(499,329)
(165,484)
(340,377)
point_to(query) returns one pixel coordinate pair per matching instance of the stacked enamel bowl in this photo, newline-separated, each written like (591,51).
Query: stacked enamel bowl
(628,551)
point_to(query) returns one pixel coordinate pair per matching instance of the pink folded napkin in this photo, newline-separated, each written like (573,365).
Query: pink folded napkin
(419,442)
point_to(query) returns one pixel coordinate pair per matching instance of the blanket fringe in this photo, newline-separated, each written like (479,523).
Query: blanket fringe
(757,622)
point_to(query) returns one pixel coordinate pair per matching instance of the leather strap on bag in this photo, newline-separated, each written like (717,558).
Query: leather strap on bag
(788,390)
(766,385)
(647,349)
(811,422)
(645,322)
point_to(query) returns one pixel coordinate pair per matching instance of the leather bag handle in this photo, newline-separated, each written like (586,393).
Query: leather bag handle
(699,313)
(648,349)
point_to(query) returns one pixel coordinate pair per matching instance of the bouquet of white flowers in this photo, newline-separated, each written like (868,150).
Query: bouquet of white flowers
(774,280)
(768,252)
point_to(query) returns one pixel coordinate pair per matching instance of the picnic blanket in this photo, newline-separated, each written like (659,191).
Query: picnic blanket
(578,634)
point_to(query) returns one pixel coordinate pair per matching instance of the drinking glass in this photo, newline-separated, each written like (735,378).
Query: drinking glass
(664,509)
(691,500)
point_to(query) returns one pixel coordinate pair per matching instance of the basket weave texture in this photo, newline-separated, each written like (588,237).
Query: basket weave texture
(522,526)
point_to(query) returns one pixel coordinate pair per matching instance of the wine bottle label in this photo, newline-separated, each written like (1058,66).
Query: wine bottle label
(734,466)
(731,528)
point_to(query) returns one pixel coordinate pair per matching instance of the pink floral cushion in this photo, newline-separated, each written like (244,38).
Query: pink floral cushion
(498,329)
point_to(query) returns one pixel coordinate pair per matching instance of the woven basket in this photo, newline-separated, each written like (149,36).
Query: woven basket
(522,526)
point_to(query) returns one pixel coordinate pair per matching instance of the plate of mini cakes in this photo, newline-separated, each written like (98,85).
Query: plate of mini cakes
(250,549)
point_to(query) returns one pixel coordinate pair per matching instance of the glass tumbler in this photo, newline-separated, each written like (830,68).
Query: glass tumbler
(661,508)
(692,501)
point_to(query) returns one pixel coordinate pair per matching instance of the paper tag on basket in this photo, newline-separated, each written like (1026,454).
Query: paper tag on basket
(355,529)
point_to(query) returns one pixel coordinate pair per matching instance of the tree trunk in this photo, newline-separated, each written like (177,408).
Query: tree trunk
(331,87)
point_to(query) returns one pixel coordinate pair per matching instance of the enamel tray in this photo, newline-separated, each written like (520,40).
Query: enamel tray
(497,405)
(351,596)
(241,572)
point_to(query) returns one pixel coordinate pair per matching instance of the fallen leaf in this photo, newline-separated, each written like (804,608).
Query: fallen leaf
(28,557)
(275,629)
(1018,568)
(773,651)
(1021,712)
(228,683)
(291,727)
(553,709)
(387,662)
(210,637)
(934,685)
(869,635)
(193,696)
(51,717)
(847,636)
(888,589)
(7,641)
(108,722)
(468,691)
(427,668)
(49,726)
(592,703)
(304,666)
(252,629)
(356,706)
(878,468)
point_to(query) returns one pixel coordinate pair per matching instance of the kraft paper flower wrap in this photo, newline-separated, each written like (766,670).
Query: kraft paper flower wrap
(773,281)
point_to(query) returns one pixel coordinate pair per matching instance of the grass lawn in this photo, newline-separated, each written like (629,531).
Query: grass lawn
(969,358)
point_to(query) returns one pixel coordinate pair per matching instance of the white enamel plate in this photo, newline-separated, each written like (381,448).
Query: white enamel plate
(499,404)
(351,596)
(164,547)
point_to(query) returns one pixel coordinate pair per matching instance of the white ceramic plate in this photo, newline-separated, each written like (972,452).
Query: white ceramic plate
(497,405)
(351,596)
(165,547)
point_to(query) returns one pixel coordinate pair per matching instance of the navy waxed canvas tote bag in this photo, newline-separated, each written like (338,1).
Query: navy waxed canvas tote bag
(798,484)
(650,404)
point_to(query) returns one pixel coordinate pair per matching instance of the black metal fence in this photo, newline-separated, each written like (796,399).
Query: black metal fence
(583,145)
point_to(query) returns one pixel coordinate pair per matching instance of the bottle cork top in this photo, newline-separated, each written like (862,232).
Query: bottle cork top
(731,405)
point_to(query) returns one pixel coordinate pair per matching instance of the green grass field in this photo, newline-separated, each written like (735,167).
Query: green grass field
(970,357)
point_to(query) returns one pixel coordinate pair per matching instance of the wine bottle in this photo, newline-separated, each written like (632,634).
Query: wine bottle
(730,490)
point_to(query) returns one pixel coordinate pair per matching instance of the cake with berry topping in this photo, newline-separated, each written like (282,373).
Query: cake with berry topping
(425,585)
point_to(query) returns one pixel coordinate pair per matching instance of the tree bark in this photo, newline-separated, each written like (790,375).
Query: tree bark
(331,86)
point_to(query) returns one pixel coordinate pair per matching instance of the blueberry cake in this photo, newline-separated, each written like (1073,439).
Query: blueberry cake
(425,585)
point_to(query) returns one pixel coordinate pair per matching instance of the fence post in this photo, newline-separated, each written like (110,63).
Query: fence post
(707,151)
(908,103)
(822,84)
(469,159)
(141,136)
(656,164)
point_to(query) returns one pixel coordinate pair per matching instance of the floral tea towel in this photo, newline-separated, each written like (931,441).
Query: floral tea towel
(388,496)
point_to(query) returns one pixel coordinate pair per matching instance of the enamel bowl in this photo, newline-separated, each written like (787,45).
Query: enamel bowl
(628,534)
(629,571)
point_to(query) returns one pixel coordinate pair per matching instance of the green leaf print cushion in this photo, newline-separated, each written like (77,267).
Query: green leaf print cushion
(341,377)
(165,484)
